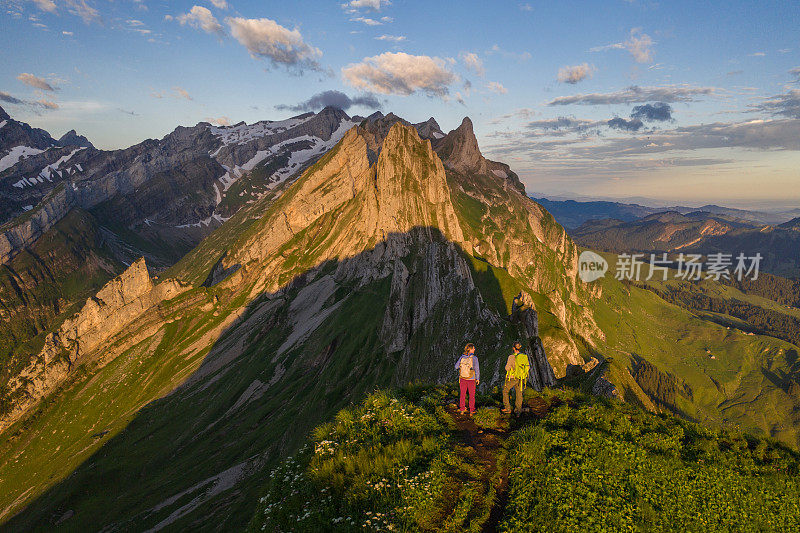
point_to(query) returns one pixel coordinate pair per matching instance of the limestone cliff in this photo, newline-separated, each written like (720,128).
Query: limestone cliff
(85,336)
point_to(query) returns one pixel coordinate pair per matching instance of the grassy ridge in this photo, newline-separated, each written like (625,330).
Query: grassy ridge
(395,462)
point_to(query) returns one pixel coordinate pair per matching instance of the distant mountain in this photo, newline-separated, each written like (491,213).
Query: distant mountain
(71,138)
(159,196)
(572,214)
(698,232)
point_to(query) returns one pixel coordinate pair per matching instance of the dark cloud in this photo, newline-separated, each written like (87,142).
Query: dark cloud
(658,112)
(334,99)
(619,123)
(5,97)
(636,94)
(787,105)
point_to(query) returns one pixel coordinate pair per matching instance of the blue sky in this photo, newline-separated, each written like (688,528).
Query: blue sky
(552,87)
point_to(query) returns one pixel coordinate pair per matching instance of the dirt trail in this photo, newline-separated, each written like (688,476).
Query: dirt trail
(487,443)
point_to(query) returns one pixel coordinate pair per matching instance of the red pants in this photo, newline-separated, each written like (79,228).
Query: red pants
(467,385)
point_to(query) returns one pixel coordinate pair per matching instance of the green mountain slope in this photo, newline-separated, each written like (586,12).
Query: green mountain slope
(405,461)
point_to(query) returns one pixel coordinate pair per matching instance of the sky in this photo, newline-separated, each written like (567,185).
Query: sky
(672,101)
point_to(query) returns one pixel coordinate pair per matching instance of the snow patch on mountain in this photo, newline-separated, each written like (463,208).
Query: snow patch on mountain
(17,153)
(242,133)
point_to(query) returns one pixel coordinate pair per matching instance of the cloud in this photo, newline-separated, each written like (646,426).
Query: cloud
(563,125)
(639,45)
(619,123)
(523,112)
(7,98)
(756,54)
(333,99)
(574,74)
(525,7)
(47,104)
(473,62)
(392,38)
(796,73)
(34,81)
(46,5)
(219,121)
(659,112)
(84,10)
(400,73)
(219,4)
(496,87)
(266,39)
(787,104)
(177,92)
(201,17)
(636,94)
(180,92)
(367,21)
(374,5)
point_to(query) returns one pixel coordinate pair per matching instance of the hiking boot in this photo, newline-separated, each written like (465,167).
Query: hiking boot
(508,412)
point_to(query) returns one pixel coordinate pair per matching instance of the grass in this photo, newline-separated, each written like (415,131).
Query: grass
(733,389)
(395,463)
(596,465)
(388,464)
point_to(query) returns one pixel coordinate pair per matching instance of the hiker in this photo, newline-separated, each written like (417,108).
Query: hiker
(469,375)
(517,368)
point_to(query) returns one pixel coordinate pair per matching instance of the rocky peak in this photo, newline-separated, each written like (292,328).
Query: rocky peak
(3,114)
(459,150)
(71,138)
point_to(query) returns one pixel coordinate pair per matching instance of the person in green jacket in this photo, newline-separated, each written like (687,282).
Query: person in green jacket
(517,368)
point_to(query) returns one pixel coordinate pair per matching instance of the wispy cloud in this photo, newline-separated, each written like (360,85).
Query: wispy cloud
(374,5)
(35,81)
(496,87)
(391,38)
(636,94)
(638,44)
(46,5)
(84,10)
(787,104)
(473,62)
(366,20)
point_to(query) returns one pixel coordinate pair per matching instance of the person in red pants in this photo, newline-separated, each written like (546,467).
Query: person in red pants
(469,375)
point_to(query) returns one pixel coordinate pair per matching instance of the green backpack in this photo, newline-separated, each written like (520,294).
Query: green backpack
(521,369)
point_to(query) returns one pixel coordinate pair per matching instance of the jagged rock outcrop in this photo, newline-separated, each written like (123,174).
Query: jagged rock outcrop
(460,152)
(71,138)
(120,302)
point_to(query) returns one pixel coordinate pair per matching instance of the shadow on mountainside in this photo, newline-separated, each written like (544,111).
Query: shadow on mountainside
(196,457)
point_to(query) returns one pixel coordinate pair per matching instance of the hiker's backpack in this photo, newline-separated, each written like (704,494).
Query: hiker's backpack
(465,369)
(522,368)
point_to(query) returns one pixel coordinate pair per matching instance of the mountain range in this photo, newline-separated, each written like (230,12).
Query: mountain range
(698,232)
(180,314)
